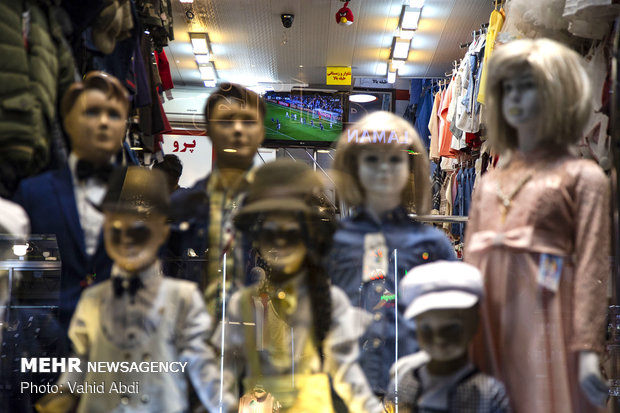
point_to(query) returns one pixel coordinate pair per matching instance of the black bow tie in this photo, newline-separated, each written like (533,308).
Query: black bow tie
(122,284)
(85,170)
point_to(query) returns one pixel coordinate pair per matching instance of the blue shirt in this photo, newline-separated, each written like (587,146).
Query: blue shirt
(416,244)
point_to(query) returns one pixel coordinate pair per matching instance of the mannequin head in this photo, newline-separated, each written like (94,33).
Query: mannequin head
(94,114)
(541,87)
(234,117)
(445,334)
(281,244)
(135,210)
(443,299)
(286,219)
(259,392)
(381,157)
(133,239)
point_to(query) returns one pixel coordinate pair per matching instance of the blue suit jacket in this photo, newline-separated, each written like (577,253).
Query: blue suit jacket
(189,213)
(50,203)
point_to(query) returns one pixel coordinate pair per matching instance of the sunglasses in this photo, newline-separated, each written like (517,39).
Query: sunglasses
(270,236)
(138,233)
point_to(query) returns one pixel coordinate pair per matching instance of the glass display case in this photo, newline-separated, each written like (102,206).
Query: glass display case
(30,274)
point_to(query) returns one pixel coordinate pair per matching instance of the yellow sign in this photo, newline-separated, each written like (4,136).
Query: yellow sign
(338,75)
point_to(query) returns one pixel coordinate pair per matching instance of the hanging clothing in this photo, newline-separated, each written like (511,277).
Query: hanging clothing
(424,113)
(437,181)
(433,127)
(37,69)
(469,109)
(590,18)
(458,141)
(445,136)
(496,21)
(534,324)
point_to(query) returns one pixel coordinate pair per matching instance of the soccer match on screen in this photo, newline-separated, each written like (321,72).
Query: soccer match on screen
(307,117)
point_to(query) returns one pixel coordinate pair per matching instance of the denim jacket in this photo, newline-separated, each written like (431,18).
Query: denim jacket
(416,244)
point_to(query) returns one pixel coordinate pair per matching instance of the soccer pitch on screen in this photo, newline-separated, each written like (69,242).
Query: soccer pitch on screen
(294,130)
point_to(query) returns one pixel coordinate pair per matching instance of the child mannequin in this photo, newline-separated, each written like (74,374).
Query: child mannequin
(381,172)
(443,298)
(539,232)
(139,315)
(294,333)
(94,113)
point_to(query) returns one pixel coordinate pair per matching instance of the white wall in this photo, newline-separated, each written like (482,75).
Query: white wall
(197,159)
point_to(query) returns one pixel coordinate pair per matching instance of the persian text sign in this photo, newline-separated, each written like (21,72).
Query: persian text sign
(338,75)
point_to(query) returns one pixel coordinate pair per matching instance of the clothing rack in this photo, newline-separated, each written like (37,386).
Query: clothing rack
(475,34)
(498,3)
(450,219)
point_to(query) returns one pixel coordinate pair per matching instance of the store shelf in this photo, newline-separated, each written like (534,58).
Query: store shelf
(30,265)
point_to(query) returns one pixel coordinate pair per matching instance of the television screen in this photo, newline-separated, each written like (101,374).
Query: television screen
(303,117)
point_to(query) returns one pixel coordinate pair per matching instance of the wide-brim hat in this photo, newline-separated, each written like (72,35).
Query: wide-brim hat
(441,285)
(138,190)
(282,185)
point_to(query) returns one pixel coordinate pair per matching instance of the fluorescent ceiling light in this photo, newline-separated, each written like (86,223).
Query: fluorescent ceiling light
(210,83)
(362,98)
(406,34)
(400,49)
(397,64)
(323,150)
(381,69)
(409,18)
(207,72)
(414,3)
(186,1)
(202,59)
(391,77)
(199,43)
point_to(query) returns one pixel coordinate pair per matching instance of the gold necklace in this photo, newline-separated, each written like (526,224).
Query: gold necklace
(506,200)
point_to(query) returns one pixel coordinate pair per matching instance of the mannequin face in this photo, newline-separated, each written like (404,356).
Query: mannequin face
(236,133)
(383,172)
(259,392)
(521,106)
(96,126)
(132,240)
(445,334)
(281,245)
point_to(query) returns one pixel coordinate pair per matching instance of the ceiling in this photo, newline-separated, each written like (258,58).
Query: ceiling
(250,46)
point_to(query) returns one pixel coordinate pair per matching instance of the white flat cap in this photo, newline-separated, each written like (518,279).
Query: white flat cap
(440,285)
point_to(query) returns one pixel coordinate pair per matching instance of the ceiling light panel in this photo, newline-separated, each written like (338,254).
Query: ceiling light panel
(409,18)
(207,72)
(400,49)
(381,69)
(202,59)
(199,43)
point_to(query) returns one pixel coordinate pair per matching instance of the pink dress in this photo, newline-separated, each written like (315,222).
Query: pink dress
(530,335)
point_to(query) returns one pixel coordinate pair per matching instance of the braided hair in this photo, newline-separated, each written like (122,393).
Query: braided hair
(317,235)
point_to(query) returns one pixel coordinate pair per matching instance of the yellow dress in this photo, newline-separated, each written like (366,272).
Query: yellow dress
(496,21)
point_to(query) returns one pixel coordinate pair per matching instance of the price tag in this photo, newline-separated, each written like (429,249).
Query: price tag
(375,264)
(550,271)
